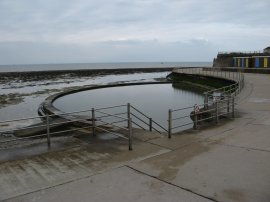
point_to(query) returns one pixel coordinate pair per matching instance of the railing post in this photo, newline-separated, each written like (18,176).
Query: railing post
(93,122)
(205,100)
(170,124)
(239,82)
(48,131)
(130,134)
(150,124)
(216,112)
(195,121)
(228,103)
(232,106)
(128,114)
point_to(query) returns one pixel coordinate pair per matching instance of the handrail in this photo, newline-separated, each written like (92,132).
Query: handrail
(139,118)
(159,126)
(112,115)
(67,113)
(147,118)
(139,111)
(227,104)
(22,119)
(174,110)
(110,107)
(138,125)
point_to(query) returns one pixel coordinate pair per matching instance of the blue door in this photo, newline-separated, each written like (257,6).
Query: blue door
(243,62)
(257,62)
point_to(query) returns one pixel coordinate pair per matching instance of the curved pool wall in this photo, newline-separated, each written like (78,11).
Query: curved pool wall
(47,106)
(153,100)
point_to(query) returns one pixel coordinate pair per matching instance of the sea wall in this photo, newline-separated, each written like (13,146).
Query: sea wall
(198,83)
(83,72)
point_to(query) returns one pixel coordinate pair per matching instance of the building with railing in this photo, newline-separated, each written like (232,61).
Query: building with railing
(255,59)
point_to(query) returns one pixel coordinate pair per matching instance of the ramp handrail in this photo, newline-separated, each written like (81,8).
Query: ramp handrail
(93,122)
(228,93)
(150,121)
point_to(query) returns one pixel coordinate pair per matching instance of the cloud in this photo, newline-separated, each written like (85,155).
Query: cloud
(89,25)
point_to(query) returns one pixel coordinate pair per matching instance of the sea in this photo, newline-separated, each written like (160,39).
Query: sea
(77,66)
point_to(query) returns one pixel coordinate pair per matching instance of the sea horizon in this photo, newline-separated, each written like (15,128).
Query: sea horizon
(104,65)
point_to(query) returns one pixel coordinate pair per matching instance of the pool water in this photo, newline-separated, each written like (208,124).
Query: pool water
(154,100)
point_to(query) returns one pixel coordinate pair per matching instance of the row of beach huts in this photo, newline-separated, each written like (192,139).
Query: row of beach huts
(256,59)
(252,62)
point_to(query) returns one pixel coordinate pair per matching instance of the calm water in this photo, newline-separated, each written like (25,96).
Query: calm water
(154,100)
(40,67)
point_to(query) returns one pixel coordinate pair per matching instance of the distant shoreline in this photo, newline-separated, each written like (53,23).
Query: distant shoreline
(98,66)
(115,70)
(51,74)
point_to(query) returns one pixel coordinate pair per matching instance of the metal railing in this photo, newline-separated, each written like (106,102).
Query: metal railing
(104,119)
(47,128)
(241,52)
(96,119)
(149,122)
(217,102)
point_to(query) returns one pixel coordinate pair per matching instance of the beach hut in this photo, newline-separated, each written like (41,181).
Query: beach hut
(244,62)
(261,61)
(266,61)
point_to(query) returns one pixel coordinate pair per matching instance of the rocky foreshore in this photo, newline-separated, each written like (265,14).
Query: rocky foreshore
(55,74)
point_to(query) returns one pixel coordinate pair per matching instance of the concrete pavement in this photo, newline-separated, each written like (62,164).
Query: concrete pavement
(227,162)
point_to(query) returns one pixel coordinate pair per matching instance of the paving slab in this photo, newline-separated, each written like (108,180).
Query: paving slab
(251,137)
(121,184)
(185,138)
(58,167)
(225,162)
(220,172)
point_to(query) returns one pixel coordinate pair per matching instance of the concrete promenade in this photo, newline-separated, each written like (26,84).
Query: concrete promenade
(226,162)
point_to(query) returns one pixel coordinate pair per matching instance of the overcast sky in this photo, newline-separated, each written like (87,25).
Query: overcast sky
(62,31)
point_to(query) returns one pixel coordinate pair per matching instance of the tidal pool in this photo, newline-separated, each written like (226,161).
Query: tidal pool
(154,100)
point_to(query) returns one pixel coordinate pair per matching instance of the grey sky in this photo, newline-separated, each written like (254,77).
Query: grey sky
(55,31)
